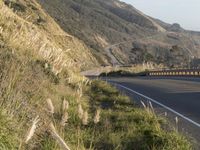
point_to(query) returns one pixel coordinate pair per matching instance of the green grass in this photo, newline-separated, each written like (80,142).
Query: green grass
(123,73)
(26,83)
(124,126)
(8,132)
(27,80)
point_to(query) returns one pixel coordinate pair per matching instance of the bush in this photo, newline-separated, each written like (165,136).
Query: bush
(16,6)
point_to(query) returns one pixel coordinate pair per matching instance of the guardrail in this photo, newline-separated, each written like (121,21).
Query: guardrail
(185,72)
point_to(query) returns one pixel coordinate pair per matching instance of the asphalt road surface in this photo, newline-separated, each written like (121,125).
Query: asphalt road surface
(179,96)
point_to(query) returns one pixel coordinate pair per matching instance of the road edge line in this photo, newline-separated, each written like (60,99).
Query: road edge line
(160,104)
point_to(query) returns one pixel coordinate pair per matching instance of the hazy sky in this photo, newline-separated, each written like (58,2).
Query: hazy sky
(184,12)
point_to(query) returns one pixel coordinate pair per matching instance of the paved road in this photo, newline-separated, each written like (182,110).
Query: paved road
(180,94)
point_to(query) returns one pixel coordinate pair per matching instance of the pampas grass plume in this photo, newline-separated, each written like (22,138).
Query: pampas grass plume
(50,106)
(65,118)
(85,118)
(65,105)
(97,116)
(80,111)
(32,129)
(57,137)
(143,104)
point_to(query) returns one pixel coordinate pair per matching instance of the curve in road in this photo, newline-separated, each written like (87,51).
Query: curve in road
(180,96)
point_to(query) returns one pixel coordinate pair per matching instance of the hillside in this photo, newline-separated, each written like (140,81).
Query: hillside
(30,28)
(45,104)
(102,23)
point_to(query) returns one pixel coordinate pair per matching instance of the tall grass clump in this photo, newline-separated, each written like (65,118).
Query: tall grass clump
(101,118)
(46,105)
(29,102)
(126,126)
(8,132)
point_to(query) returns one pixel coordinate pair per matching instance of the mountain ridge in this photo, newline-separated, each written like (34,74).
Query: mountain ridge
(113,22)
(46,104)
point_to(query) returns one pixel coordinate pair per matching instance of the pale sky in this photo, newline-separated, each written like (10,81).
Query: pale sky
(184,12)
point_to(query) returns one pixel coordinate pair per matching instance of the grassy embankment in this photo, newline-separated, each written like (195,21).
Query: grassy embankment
(137,70)
(94,116)
(46,105)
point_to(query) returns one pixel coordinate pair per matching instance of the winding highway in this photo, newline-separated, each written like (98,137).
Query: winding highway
(179,96)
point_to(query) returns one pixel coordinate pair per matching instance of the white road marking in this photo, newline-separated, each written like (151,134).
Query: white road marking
(160,104)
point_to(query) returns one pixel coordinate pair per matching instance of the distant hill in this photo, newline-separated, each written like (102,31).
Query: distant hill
(45,104)
(101,23)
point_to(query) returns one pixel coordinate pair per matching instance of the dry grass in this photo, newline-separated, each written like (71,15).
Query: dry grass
(85,118)
(65,115)
(57,137)
(80,111)
(32,129)
(125,126)
(37,73)
(31,56)
(23,33)
(50,106)
(97,116)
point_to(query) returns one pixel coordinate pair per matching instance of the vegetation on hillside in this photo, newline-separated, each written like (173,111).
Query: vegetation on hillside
(24,30)
(85,115)
(123,73)
(101,23)
(124,126)
(46,105)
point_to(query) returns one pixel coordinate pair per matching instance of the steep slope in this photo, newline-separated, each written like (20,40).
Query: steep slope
(38,62)
(103,23)
(45,38)
(46,105)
